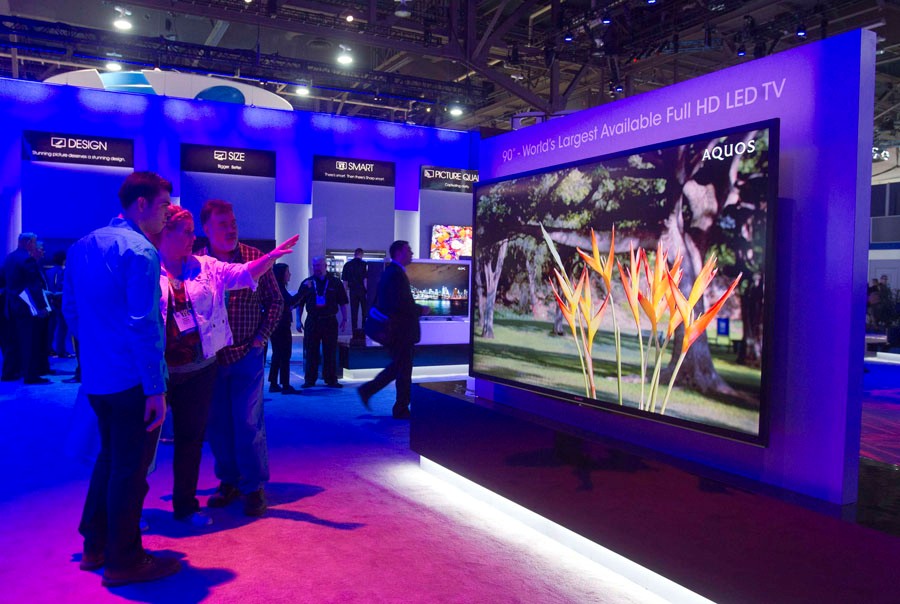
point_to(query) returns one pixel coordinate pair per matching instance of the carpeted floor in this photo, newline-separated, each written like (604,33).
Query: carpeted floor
(352,519)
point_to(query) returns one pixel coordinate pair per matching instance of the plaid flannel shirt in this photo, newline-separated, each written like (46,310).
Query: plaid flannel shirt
(250,313)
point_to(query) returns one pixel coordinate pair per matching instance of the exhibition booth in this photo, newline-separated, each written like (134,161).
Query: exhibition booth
(581,292)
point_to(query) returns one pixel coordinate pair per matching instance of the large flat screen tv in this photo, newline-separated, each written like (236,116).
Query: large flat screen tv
(638,282)
(451,242)
(442,286)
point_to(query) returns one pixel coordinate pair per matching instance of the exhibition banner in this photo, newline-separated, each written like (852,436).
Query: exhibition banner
(457,180)
(227,160)
(77,149)
(357,171)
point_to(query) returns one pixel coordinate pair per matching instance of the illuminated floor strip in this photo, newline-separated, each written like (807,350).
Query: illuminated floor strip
(654,583)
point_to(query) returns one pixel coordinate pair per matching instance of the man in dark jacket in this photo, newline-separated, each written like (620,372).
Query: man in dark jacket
(395,300)
(26,307)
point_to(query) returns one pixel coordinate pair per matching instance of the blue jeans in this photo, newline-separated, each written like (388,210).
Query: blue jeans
(237,429)
(112,510)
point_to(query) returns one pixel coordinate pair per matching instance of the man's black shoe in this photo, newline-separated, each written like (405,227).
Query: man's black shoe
(224,495)
(91,561)
(334,385)
(308,385)
(289,390)
(37,382)
(150,568)
(400,411)
(255,505)
(275,388)
(364,397)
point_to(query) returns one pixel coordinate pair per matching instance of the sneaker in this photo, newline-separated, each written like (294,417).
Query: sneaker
(255,505)
(150,568)
(274,388)
(196,519)
(91,561)
(223,496)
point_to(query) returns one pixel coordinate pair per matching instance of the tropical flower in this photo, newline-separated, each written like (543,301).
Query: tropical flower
(604,267)
(695,327)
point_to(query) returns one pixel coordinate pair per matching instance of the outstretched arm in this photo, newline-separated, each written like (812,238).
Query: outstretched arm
(259,266)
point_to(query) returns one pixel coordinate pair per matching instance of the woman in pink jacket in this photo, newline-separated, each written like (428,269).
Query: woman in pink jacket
(193,308)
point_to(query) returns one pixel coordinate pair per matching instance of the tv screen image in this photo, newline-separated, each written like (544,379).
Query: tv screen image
(635,282)
(449,242)
(441,286)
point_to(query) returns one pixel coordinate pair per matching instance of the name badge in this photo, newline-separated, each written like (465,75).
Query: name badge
(184,319)
(320,301)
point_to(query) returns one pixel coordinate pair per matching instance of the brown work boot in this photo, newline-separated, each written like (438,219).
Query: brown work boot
(255,505)
(224,496)
(150,568)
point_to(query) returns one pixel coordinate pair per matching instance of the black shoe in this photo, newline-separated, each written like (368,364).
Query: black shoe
(37,382)
(400,411)
(334,385)
(150,568)
(308,385)
(72,380)
(91,561)
(224,495)
(289,390)
(274,388)
(364,397)
(255,505)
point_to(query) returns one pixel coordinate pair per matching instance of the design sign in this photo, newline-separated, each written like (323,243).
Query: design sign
(77,149)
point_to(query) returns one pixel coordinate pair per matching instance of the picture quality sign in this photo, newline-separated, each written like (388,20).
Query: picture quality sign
(77,149)
(447,179)
(359,171)
(227,160)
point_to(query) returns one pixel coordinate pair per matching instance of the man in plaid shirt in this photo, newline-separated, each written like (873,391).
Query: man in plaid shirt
(237,431)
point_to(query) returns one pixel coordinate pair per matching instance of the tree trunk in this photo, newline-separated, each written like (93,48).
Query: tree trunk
(491,275)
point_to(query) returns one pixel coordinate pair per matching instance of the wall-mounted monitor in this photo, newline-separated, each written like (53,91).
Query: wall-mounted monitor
(451,242)
(442,286)
(638,282)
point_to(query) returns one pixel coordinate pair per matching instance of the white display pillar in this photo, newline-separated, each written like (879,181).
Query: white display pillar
(406,227)
(292,219)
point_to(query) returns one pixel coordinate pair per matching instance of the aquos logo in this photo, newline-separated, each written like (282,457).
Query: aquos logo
(720,152)
(61,142)
(451,175)
(228,155)
(356,166)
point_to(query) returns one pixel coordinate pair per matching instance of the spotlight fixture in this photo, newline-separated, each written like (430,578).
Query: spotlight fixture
(345,58)
(569,36)
(349,18)
(651,1)
(801,30)
(619,88)
(248,1)
(741,50)
(113,66)
(456,110)
(303,87)
(606,19)
(121,21)
(402,9)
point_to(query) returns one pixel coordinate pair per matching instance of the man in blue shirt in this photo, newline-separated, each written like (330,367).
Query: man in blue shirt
(111,302)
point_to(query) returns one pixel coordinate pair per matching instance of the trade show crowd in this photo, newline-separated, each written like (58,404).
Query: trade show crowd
(159,327)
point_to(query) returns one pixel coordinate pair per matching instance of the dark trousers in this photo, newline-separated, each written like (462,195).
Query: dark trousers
(357,302)
(399,370)
(9,345)
(28,333)
(281,357)
(112,510)
(320,332)
(189,398)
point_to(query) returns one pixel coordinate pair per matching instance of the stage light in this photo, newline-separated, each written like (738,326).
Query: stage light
(568,37)
(121,21)
(651,1)
(741,50)
(113,66)
(402,9)
(456,110)
(619,88)
(303,87)
(606,19)
(801,31)
(345,58)
(248,1)
(349,18)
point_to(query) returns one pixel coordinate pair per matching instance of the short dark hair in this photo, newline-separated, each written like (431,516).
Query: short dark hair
(396,247)
(142,184)
(280,269)
(212,206)
(359,251)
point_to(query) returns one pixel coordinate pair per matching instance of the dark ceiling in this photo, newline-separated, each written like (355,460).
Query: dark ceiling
(507,62)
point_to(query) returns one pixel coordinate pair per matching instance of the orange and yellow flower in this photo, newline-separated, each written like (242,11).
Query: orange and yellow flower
(695,327)
(604,267)
(632,284)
